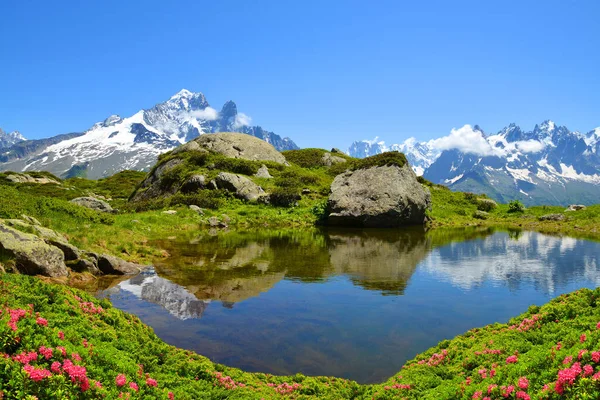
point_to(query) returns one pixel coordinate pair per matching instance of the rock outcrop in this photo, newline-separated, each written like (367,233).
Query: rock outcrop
(93,203)
(239,145)
(26,178)
(37,250)
(379,196)
(239,185)
(32,255)
(328,160)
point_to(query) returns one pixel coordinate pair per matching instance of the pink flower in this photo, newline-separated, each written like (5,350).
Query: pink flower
(522,395)
(151,382)
(596,376)
(62,350)
(41,321)
(75,356)
(55,367)
(61,335)
(36,374)
(512,360)
(46,352)
(588,370)
(120,380)
(98,384)
(523,383)
(581,354)
(598,325)
(477,395)
(582,338)
(171,396)
(568,360)
(134,386)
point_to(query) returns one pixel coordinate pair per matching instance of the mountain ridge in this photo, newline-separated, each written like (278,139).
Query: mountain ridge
(547,165)
(134,142)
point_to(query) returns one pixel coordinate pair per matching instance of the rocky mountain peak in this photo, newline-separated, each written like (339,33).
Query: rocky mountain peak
(229,110)
(10,138)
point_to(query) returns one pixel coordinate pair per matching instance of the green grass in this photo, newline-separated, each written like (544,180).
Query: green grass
(548,349)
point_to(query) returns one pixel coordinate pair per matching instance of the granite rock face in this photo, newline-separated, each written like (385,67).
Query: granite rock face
(383,197)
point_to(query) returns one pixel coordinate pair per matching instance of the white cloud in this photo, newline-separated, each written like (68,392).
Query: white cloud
(241,119)
(208,114)
(466,140)
(530,146)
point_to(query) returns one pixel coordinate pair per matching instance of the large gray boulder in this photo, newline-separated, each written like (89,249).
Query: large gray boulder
(387,196)
(33,256)
(93,203)
(115,266)
(241,186)
(240,145)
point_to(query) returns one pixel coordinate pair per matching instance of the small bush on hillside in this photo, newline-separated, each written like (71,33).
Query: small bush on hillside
(470,197)
(515,206)
(305,158)
(321,211)
(380,160)
(486,205)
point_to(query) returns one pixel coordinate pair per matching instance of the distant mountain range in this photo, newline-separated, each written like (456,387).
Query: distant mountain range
(9,139)
(135,142)
(548,165)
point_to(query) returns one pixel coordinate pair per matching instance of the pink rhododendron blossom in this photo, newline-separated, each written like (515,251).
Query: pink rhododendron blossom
(588,370)
(41,321)
(134,386)
(120,380)
(151,382)
(512,360)
(523,383)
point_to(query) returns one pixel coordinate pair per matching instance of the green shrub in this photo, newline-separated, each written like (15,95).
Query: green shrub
(305,158)
(321,211)
(478,214)
(470,197)
(380,160)
(486,204)
(515,206)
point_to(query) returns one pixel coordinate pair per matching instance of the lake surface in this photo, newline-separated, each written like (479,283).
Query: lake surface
(354,303)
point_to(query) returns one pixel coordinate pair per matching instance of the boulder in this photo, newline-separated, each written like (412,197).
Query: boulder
(93,203)
(31,220)
(552,217)
(33,256)
(386,196)
(575,207)
(197,209)
(240,145)
(115,266)
(26,178)
(170,212)
(263,172)
(239,185)
(189,146)
(336,150)
(328,160)
(193,184)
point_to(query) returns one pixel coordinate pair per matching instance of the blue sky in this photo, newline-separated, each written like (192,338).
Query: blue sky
(325,73)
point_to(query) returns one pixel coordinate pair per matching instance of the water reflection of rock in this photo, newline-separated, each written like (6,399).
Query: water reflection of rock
(236,266)
(378,260)
(172,297)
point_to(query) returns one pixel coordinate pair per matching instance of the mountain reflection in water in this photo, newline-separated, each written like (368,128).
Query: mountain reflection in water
(349,303)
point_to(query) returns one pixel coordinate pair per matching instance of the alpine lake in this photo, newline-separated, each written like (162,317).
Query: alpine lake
(349,303)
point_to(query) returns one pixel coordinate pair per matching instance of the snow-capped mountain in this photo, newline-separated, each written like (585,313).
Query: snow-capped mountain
(548,165)
(419,154)
(10,138)
(135,142)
